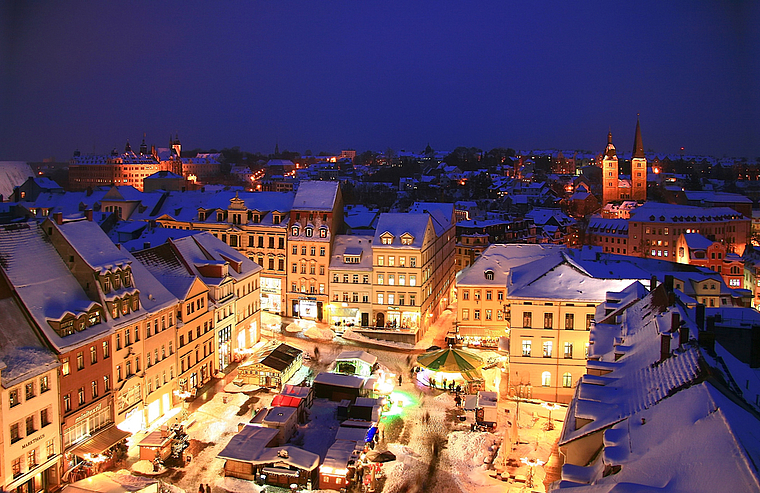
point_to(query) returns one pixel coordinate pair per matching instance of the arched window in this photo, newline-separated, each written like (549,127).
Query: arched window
(309,231)
(489,275)
(546,378)
(567,380)
(295,230)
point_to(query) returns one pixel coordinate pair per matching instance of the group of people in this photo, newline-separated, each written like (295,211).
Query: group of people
(204,489)
(451,385)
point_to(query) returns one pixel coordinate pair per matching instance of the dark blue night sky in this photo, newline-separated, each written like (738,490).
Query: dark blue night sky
(331,75)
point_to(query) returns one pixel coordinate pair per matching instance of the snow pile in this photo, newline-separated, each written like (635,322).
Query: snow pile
(234,485)
(143,467)
(353,336)
(318,333)
(468,449)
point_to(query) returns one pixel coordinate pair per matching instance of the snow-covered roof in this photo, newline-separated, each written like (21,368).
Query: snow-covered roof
(13,174)
(352,246)
(696,241)
(339,380)
(674,212)
(397,224)
(316,196)
(341,452)
(22,354)
(357,354)
(44,283)
(97,250)
(662,417)
(701,196)
(166,265)
(500,259)
(247,444)
(292,456)
(112,482)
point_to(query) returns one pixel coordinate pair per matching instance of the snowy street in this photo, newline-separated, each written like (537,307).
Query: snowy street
(430,436)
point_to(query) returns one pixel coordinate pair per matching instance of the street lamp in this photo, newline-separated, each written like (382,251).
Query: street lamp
(551,406)
(531,463)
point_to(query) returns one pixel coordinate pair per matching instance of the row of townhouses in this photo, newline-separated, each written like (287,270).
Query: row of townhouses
(93,337)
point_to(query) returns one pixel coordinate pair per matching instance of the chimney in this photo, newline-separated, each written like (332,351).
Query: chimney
(88,214)
(653,284)
(664,347)
(707,336)
(700,316)
(58,217)
(675,321)
(683,334)
(754,350)
(669,283)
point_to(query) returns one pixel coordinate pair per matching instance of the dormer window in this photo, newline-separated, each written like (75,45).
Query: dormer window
(351,259)
(489,275)
(323,232)
(294,231)
(386,238)
(276,218)
(309,231)
(220,216)
(106,285)
(201,216)
(407,239)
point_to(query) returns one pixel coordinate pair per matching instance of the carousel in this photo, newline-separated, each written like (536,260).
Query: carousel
(451,369)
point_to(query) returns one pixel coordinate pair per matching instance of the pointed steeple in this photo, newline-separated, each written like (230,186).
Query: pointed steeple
(609,151)
(638,146)
(127,147)
(143,146)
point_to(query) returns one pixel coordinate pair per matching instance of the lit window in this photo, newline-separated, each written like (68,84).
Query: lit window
(546,379)
(526,347)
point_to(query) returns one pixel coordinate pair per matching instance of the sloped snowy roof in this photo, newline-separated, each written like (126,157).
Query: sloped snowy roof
(166,265)
(500,259)
(13,174)
(44,283)
(339,380)
(352,245)
(399,223)
(672,211)
(22,354)
(93,245)
(248,443)
(357,354)
(696,241)
(316,196)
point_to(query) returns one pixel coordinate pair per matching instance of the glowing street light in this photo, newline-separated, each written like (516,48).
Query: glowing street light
(531,463)
(551,406)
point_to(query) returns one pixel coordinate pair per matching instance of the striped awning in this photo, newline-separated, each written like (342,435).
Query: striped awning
(100,442)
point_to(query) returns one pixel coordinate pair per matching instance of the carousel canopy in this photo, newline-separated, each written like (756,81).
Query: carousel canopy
(451,360)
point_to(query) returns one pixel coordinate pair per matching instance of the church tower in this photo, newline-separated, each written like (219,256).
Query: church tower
(638,167)
(609,173)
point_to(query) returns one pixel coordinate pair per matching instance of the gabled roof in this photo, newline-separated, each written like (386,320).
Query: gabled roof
(397,224)
(316,196)
(696,241)
(44,283)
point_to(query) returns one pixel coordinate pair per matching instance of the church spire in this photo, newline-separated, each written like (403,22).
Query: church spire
(638,146)
(609,151)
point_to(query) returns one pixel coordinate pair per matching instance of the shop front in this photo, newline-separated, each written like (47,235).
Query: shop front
(345,317)
(397,318)
(478,337)
(97,453)
(308,309)
(271,294)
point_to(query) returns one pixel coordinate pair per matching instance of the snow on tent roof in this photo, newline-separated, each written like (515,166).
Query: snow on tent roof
(248,443)
(357,354)
(44,283)
(316,196)
(341,451)
(339,380)
(296,391)
(353,434)
(111,482)
(292,456)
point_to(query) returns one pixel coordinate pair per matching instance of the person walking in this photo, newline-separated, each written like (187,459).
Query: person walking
(208,488)
(399,380)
